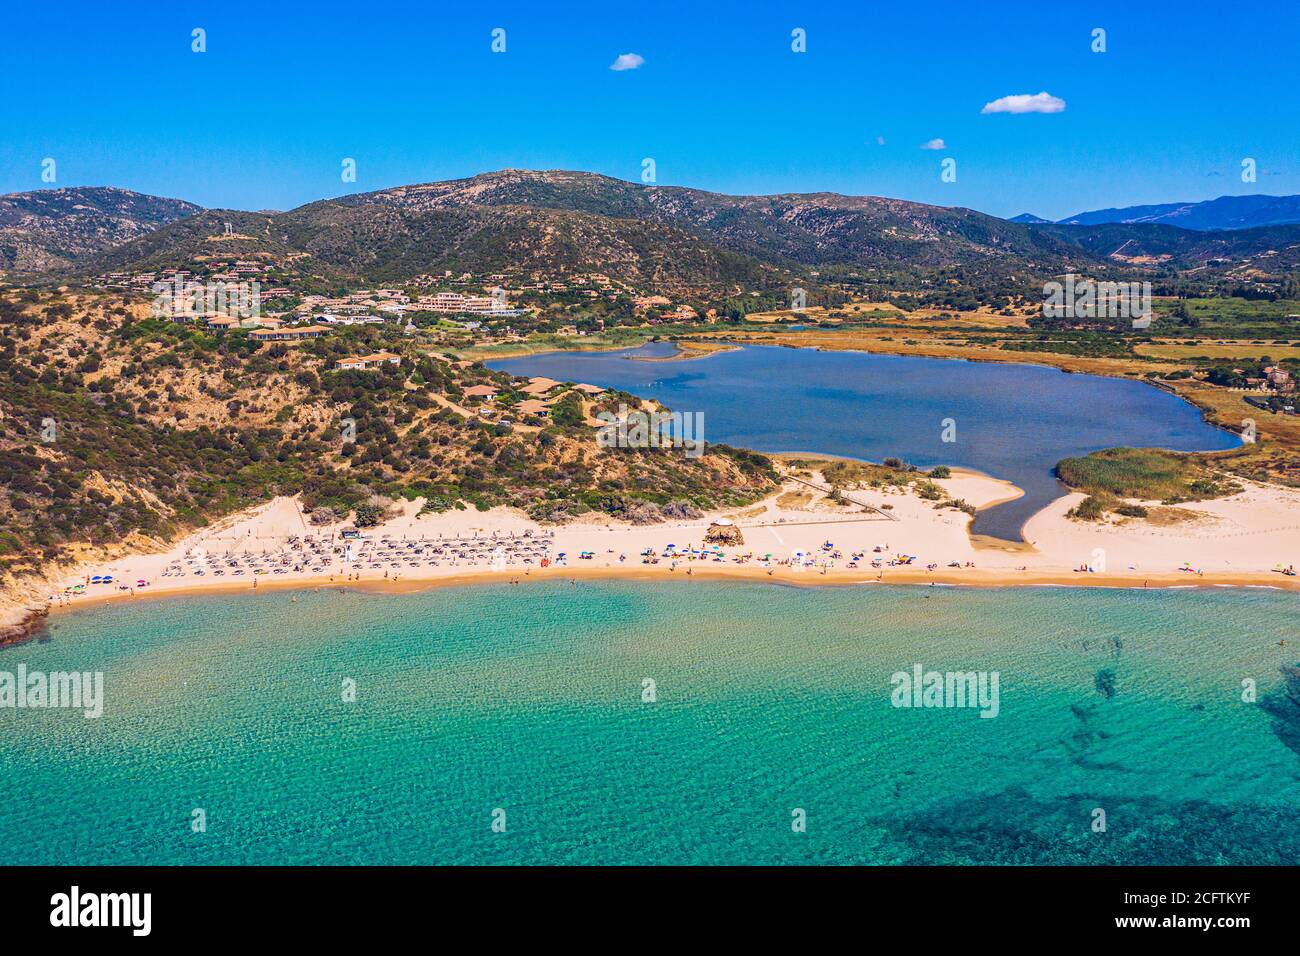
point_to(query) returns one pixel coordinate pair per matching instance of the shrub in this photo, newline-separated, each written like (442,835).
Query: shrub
(1089,509)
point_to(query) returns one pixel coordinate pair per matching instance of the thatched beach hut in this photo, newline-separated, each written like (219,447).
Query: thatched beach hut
(724,531)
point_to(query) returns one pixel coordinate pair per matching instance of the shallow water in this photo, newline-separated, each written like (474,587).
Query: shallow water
(1011,421)
(769,699)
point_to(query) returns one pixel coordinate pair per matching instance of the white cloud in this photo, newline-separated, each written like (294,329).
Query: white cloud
(1026,103)
(627,61)
(934,144)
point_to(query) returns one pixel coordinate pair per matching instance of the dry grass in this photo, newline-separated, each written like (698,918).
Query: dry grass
(1228,350)
(794,500)
(1166,517)
(982,319)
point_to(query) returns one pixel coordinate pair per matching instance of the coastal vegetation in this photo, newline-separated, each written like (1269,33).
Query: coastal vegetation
(1116,477)
(116,427)
(844,475)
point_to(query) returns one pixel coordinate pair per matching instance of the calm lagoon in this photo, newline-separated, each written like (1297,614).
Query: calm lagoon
(1010,421)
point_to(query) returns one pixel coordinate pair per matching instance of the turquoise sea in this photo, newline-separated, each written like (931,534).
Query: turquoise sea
(768,700)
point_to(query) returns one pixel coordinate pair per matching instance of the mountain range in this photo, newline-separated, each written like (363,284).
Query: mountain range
(666,238)
(54,228)
(1226,212)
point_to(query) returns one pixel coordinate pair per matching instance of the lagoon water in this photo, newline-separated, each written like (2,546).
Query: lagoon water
(1011,421)
(769,699)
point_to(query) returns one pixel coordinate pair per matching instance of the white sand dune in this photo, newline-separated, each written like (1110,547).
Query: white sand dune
(1237,540)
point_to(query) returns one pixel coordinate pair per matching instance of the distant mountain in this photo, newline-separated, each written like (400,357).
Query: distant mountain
(374,242)
(55,228)
(1143,244)
(1226,212)
(656,237)
(1028,217)
(804,228)
(663,238)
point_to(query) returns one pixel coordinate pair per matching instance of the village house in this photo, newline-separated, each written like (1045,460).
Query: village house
(360,362)
(539,386)
(1279,378)
(533,406)
(290,334)
(331,319)
(485,392)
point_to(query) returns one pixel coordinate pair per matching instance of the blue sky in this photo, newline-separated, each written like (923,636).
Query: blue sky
(413,93)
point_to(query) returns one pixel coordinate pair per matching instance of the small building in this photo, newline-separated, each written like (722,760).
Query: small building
(485,392)
(539,386)
(361,362)
(533,406)
(222,322)
(724,531)
(348,319)
(592,390)
(290,334)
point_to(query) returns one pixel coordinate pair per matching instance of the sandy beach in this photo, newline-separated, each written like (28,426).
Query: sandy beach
(796,536)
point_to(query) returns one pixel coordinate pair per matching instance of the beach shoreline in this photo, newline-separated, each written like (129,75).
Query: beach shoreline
(797,536)
(891,577)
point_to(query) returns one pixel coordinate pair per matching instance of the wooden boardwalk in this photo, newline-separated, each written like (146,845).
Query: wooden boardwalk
(853,501)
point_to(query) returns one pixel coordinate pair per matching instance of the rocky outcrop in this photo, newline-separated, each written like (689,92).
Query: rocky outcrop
(23,608)
(23,625)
